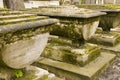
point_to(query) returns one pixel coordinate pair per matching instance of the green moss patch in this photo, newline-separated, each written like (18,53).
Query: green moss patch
(73,72)
(65,52)
(107,39)
(106,6)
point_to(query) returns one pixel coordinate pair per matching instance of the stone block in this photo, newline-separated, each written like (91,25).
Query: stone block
(73,72)
(66,53)
(24,52)
(106,39)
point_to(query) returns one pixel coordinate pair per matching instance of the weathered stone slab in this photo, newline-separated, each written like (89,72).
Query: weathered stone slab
(86,19)
(24,52)
(116,30)
(106,39)
(4,9)
(35,73)
(73,72)
(10,12)
(110,20)
(27,25)
(13,21)
(65,12)
(113,48)
(37,3)
(66,53)
(16,16)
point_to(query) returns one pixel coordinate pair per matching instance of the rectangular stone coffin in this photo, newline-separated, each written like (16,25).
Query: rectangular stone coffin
(63,51)
(73,72)
(22,43)
(73,20)
(111,20)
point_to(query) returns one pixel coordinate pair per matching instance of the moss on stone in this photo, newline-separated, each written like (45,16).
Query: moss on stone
(106,6)
(107,39)
(23,34)
(45,77)
(28,76)
(71,54)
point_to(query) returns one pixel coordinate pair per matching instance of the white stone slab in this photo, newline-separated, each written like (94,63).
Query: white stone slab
(32,4)
(1,4)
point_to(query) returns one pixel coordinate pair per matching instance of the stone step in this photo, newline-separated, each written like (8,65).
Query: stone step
(117,30)
(4,9)
(16,16)
(73,72)
(10,12)
(106,39)
(65,53)
(13,21)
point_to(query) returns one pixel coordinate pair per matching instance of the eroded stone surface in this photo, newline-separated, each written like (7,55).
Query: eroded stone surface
(65,52)
(106,39)
(110,20)
(73,72)
(81,20)
(22,36)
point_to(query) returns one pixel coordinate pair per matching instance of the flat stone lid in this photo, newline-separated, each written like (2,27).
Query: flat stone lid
(69,12)
(111,10)
(103,8)
(27,25)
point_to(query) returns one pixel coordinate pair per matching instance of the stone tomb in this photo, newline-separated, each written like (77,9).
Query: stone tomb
(110,20)
(84,22)
(23,38)
(108,37)
(107,40)
(63,55)
(74,63)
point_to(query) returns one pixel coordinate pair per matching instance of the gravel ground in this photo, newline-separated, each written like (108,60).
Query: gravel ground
(112,72)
